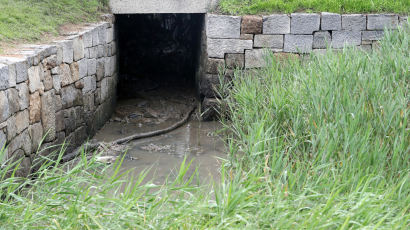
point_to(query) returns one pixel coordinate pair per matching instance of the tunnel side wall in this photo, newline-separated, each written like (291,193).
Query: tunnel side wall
(64,91)
(202,58)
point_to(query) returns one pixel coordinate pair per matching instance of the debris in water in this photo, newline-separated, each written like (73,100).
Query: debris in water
(109,149)
(156,148)
(150,113)
(135,115)
(106,159)
(133,158)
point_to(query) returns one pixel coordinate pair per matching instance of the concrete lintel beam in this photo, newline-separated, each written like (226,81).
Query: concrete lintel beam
(161,6)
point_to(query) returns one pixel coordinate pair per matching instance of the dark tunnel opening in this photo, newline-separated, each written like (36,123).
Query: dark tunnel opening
(157,51)
(159,62)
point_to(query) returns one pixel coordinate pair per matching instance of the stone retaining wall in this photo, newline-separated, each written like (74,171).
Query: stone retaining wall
(240,41)
(64,91)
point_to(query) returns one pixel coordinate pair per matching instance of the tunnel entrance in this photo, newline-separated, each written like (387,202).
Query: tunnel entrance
(160,58)
(157,51)
(158,62)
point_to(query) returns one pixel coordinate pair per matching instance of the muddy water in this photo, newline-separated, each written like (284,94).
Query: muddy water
(155,110)
(197,141)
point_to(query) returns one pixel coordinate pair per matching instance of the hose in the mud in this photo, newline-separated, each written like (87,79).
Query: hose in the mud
(137,136)
(156,132)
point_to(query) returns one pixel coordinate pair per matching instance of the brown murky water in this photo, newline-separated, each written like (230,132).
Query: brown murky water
(163,155)
(197,141)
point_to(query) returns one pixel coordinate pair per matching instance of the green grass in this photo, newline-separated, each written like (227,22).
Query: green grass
(322,144)
(336,6)
(28,20)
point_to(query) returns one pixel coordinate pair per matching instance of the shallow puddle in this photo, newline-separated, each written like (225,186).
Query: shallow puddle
(197,141)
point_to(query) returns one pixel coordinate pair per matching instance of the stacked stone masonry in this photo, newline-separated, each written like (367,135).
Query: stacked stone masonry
(242,41)
(62,92)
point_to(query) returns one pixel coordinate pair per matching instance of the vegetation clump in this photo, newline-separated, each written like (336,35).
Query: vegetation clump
(316,144)
(28,20)
(335,6)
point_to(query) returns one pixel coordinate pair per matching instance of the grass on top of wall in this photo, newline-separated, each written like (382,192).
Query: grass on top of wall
(335,6)
(28,20)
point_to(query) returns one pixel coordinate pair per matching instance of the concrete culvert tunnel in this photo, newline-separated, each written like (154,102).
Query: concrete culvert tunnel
(158,63)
